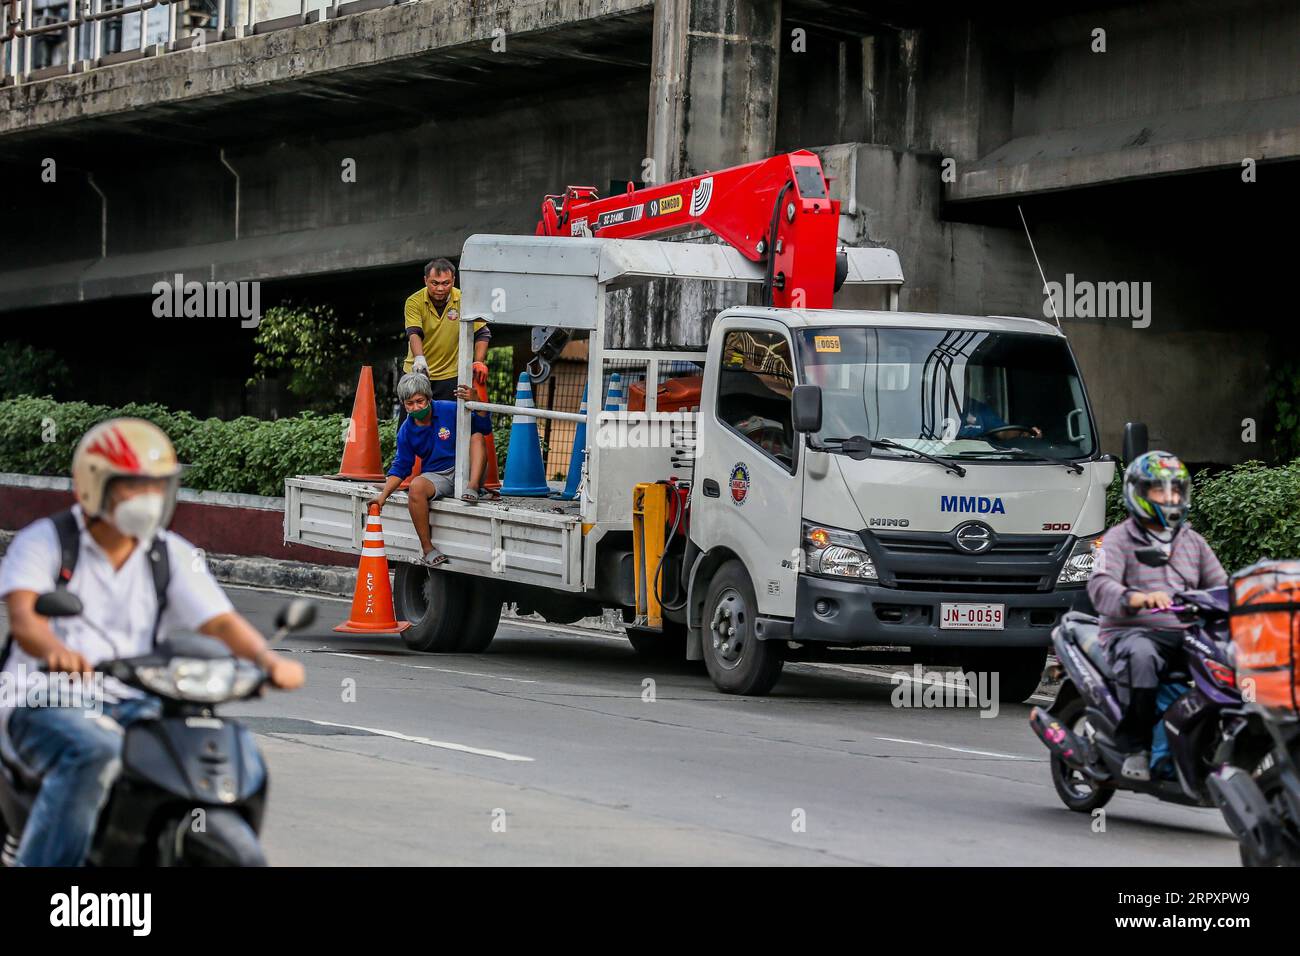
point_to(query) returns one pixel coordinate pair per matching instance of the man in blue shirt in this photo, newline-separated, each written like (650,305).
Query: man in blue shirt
(429,432)
(980,419)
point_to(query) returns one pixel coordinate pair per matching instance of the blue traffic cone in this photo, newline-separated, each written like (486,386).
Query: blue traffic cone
(578,455)
(525,474)
(614,399)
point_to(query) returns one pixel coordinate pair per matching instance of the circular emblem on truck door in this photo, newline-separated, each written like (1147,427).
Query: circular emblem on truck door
(974,537)
(739,482)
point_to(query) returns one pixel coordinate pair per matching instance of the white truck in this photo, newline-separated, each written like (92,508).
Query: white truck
(857,478)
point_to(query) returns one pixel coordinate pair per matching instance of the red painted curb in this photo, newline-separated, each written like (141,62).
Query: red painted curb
(220,529)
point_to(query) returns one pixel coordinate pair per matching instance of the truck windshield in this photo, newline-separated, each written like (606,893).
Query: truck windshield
(962,394)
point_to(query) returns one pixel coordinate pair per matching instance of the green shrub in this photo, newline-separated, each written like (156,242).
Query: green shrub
(246,455)
(27,370)
(1249,512)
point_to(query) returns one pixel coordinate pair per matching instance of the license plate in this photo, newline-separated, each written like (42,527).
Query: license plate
(972,617)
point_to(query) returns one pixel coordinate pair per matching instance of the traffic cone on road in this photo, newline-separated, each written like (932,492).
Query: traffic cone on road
(361,459)
(578,455)
(372,603)
(525,473)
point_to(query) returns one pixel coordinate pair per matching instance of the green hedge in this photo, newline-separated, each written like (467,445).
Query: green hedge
(247,455)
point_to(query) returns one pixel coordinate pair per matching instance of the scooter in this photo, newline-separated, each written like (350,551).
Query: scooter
(192,789)
(1201,725)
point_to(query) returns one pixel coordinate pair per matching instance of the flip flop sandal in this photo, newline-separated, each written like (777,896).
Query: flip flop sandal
(487,494)
(471,496)
(433,559)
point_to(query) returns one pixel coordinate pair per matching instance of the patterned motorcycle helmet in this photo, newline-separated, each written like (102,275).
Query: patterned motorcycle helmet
(1158,469)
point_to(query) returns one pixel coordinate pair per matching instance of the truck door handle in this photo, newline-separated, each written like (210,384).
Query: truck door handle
(711,489)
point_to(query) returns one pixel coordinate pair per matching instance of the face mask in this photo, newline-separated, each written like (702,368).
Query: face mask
(140,516)
(420,414)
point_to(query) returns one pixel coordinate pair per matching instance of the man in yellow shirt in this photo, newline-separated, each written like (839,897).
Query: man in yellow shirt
(433,331)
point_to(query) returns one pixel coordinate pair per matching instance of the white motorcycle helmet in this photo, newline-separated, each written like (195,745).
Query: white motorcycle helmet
(125,448)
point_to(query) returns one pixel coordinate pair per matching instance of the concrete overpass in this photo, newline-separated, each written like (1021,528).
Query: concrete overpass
(459,115)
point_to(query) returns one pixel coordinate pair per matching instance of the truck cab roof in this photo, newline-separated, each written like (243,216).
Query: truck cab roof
(820,318)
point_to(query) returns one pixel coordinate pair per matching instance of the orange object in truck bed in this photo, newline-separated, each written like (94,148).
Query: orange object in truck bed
(673,395)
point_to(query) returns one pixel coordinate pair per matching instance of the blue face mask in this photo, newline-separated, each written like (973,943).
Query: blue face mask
(421,414)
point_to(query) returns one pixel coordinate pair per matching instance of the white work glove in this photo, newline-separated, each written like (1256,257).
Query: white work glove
(421,365)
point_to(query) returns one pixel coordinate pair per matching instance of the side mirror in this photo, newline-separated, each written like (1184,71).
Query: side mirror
(807,408)
(58,604)
(296,615)
(1136,441)
(1152,557)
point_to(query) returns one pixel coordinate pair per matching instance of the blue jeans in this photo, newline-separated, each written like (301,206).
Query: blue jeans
(77,755)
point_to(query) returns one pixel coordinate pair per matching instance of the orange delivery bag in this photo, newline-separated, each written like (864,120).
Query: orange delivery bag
(1265,625)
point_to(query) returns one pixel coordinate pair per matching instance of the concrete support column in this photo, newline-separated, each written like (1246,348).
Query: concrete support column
(713,84)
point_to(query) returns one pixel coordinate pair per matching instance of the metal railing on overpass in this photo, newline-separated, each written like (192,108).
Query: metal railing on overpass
(51,39)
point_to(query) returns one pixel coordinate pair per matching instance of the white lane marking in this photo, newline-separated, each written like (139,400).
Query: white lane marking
(440,744)
(429,667)
(960,750)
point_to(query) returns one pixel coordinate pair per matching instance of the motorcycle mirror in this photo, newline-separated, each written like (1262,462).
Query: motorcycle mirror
(296,615)
(58,604)
(1152,557)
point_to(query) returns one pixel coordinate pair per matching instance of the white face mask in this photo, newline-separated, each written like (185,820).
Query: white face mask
(139,516)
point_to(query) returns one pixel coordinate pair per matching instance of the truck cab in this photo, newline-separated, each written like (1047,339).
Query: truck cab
(889,479)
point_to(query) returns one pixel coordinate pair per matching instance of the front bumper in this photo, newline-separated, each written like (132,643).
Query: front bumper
(853,614)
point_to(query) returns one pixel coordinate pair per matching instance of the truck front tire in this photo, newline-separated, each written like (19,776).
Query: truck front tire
(737,661)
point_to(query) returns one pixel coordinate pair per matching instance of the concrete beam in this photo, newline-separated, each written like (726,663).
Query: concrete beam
(254,65)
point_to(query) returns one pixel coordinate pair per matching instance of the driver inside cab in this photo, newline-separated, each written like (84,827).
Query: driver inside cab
(979,419)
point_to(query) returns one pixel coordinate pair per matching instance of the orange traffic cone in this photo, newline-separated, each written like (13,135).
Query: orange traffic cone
(415,470)
(490,477)
(361,459)
(372,604)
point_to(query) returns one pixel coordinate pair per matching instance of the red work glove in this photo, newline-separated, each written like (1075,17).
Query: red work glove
(480,372)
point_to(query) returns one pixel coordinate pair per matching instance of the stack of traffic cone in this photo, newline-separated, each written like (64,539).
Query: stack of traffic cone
(372,603)
(361,459)
(578,455)
(525,474)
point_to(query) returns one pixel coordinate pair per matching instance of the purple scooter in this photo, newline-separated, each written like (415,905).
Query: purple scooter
(1202,724)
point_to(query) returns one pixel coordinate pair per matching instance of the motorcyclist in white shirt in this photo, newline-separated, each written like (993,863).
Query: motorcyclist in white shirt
(125,477)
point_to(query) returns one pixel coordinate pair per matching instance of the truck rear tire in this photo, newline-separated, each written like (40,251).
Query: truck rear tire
(737,661)
(435,602)
(482,615)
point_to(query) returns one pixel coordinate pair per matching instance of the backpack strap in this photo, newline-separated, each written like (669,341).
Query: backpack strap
(160,567)
(65,525)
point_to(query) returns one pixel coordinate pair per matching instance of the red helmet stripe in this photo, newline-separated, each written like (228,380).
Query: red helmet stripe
(114,447)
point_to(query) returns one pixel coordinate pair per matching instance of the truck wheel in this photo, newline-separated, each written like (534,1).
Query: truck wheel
(1076,791)
(482,615)
(434,602)
(737,661)
(653,646)
(1019,669)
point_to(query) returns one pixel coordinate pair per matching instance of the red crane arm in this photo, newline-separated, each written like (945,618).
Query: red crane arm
(780,204)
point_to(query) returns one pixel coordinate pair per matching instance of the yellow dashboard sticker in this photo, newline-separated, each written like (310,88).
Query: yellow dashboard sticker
(827,343)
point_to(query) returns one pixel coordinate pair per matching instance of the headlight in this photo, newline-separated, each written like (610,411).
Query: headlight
(207,681)
(836,553)
(1078,566)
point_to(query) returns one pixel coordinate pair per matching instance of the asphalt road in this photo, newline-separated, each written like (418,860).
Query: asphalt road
(549,749)
(553,748)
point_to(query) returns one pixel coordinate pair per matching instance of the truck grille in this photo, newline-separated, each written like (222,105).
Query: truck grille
(929,561)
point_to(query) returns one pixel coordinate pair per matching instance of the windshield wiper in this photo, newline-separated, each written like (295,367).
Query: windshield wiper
(858,448)
(1073,466)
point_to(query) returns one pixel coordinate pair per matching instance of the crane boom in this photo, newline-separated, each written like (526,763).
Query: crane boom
(776,210)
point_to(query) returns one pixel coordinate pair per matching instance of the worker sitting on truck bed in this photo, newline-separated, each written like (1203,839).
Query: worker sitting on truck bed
(430,432)
(433,332)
